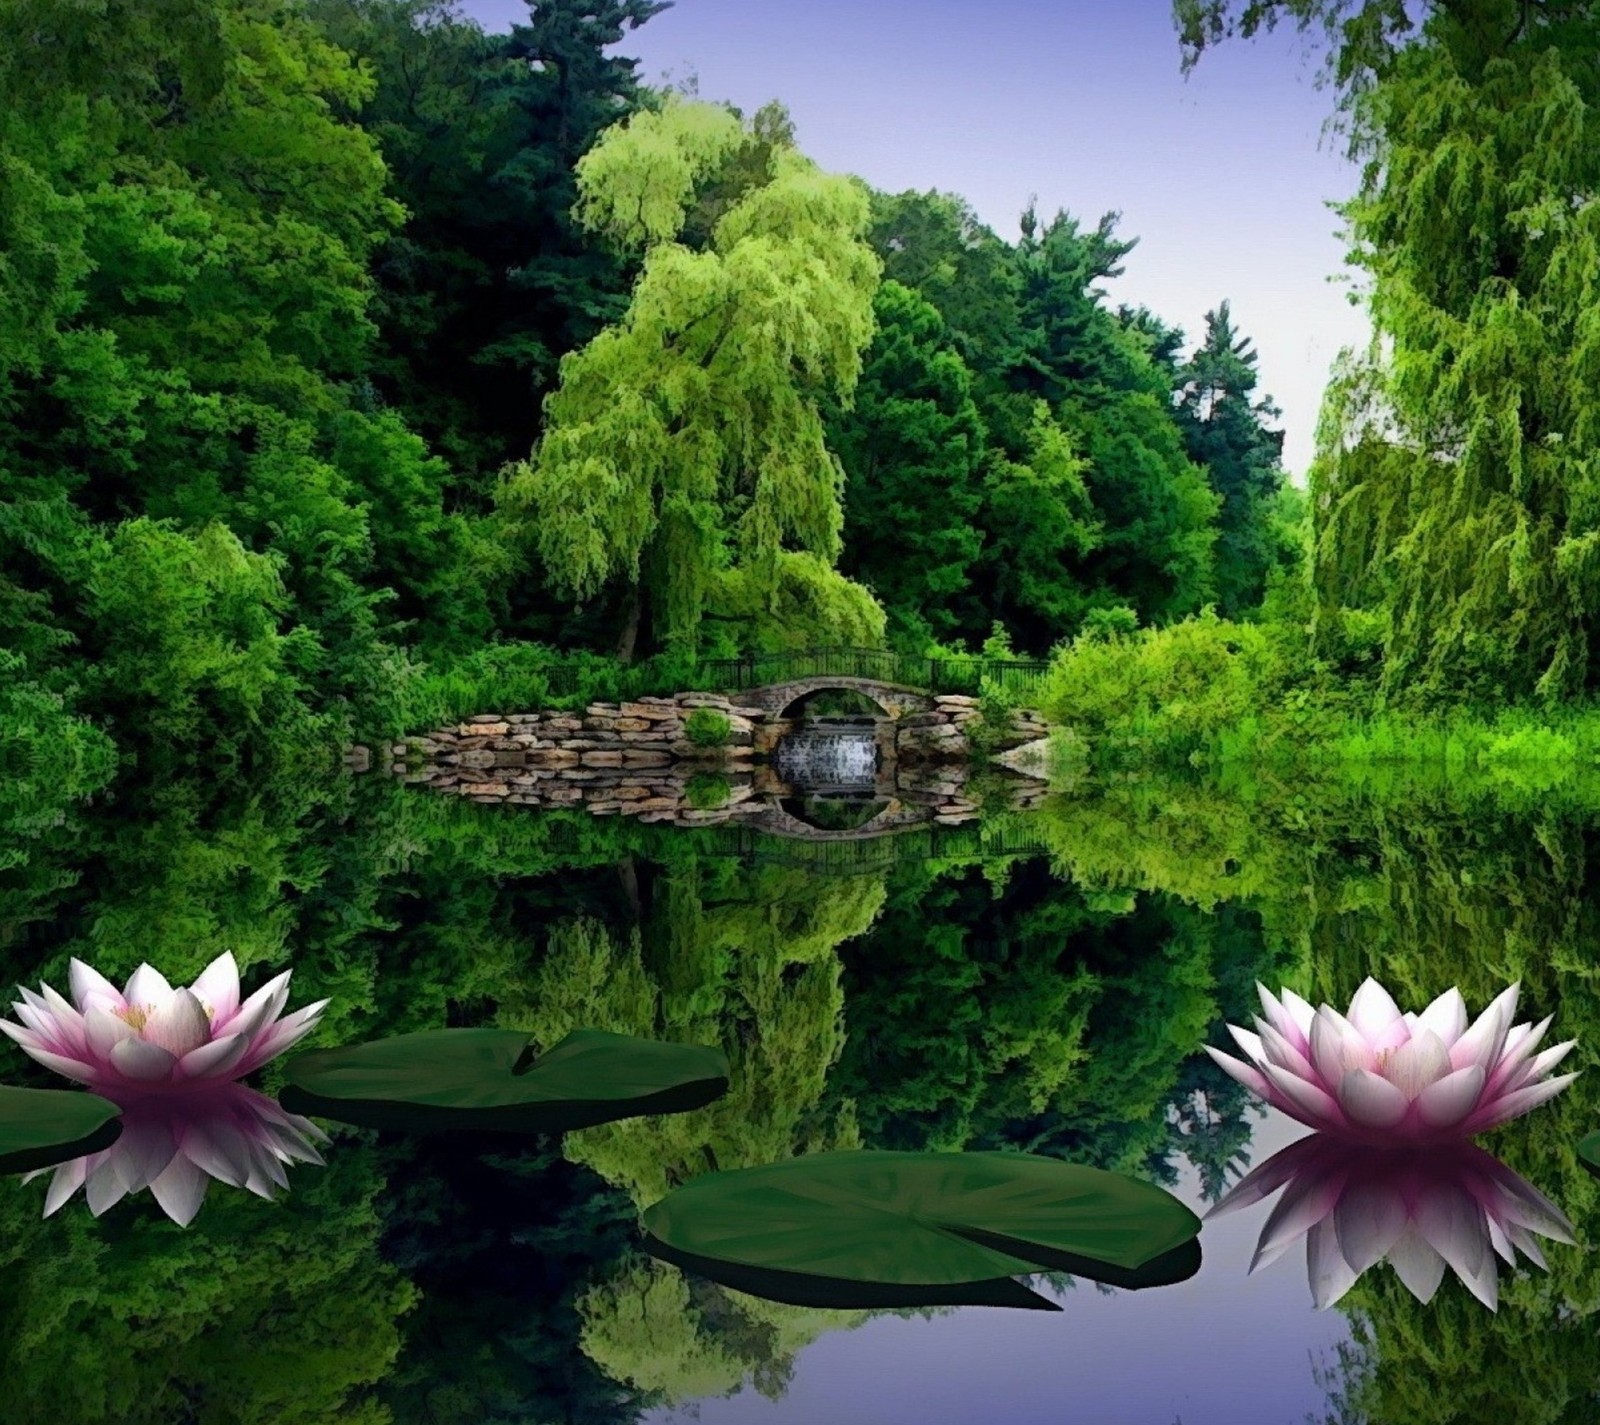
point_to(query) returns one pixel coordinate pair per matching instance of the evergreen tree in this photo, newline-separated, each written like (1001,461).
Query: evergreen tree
(491,281)
(1223,433)
(914,451)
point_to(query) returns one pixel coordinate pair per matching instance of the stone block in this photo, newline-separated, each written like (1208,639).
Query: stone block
(632,757)
(605,758)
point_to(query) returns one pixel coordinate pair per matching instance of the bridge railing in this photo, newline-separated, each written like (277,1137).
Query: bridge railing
(936,674)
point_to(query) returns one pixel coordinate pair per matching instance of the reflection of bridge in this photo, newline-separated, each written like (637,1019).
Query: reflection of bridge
(977,841)
(901,678)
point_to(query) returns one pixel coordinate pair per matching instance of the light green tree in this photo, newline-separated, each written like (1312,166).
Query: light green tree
(685,445)
(1456,478)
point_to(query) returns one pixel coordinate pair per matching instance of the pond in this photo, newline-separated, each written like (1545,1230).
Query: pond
(1039,980)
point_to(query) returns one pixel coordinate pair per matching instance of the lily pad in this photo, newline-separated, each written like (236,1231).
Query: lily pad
(42,1127)
(908,1224)
(1589,1152)
(486,1080)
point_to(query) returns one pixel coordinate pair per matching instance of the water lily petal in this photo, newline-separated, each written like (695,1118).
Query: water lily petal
(58,1063)
(1291,1016)
(1541,1064)
(1418,1266)
(1252,1079)
(218,989)
(1253,1048)
(1447,1101)
(91,988)
(1484,1041)
(1373,1011)
(1421,1061)
(141,1060)
(1502,1110)
(102,1187)
(66,1180)
(179,1025)
(262,1007)
(287,1032)
(1281,1051)
(1303,1100)
(1501,1243)
(144,1150)
(1306,1201)
(1331,1276)
(1370,1100)
(180,1190)
(1337,1046)
(217,1146)
(104,1032)
(1261,1181)
(67,1019)
(146,988)
(1510,1070)
(1446,1016)
(1369,1219)
(217,1059)
(1453,1225)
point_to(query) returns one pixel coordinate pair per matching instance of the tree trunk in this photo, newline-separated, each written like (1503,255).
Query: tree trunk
(629,637)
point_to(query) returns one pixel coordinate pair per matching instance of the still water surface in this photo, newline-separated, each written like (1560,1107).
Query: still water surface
(1054,1001)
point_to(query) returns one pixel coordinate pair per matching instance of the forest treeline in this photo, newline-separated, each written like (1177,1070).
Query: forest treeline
(354,361)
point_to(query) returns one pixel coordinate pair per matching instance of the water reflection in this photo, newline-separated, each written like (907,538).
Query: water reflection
(174,1144)
(1418,1209)
(829,757)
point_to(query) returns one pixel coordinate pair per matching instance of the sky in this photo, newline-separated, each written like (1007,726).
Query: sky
(1224,177)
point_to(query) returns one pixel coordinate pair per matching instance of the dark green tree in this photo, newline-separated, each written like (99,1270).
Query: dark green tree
(914,452)
(1223,433)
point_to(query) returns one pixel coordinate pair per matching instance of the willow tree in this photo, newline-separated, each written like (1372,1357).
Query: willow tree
(683,453)
(1457,481)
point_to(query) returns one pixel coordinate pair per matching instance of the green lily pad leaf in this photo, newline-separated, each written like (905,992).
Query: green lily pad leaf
(839,1294)
(485,1080)
(42,1127)
(918,1221)
(1589,1152)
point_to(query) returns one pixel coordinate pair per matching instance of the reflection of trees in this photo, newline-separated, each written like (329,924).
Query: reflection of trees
(1029,1013)
(1423,884)
(744,959)
(259,1312)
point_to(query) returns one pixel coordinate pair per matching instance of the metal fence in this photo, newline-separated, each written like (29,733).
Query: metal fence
(974,842)
(935,674)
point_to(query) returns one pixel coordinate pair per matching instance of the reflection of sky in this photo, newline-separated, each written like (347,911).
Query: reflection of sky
(1218,1349)
(1080,102)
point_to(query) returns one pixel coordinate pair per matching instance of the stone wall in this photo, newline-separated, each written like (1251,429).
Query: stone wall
(744,794)
(635,758)
(651,733)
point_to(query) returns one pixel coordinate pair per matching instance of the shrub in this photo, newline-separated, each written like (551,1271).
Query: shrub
(707,791)
(706,727)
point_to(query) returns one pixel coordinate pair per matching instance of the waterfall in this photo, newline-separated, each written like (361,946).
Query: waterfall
(816,757)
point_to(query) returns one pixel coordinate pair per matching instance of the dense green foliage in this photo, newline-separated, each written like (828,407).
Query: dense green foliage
(358,365)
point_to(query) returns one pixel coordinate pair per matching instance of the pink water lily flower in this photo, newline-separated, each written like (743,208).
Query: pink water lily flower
(1389,1078)
(148,1037)
(174,1144)
(1420,1210)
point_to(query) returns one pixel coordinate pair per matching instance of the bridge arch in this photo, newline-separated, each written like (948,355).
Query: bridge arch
(895,699)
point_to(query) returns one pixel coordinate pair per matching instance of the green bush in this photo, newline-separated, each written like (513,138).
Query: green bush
(707,791)
(706,727)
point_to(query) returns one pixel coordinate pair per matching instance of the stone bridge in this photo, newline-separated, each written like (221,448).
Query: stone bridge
(894,817)
(895,699)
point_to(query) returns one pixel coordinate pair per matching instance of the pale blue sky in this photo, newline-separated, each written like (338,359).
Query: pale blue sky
(1223,177)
